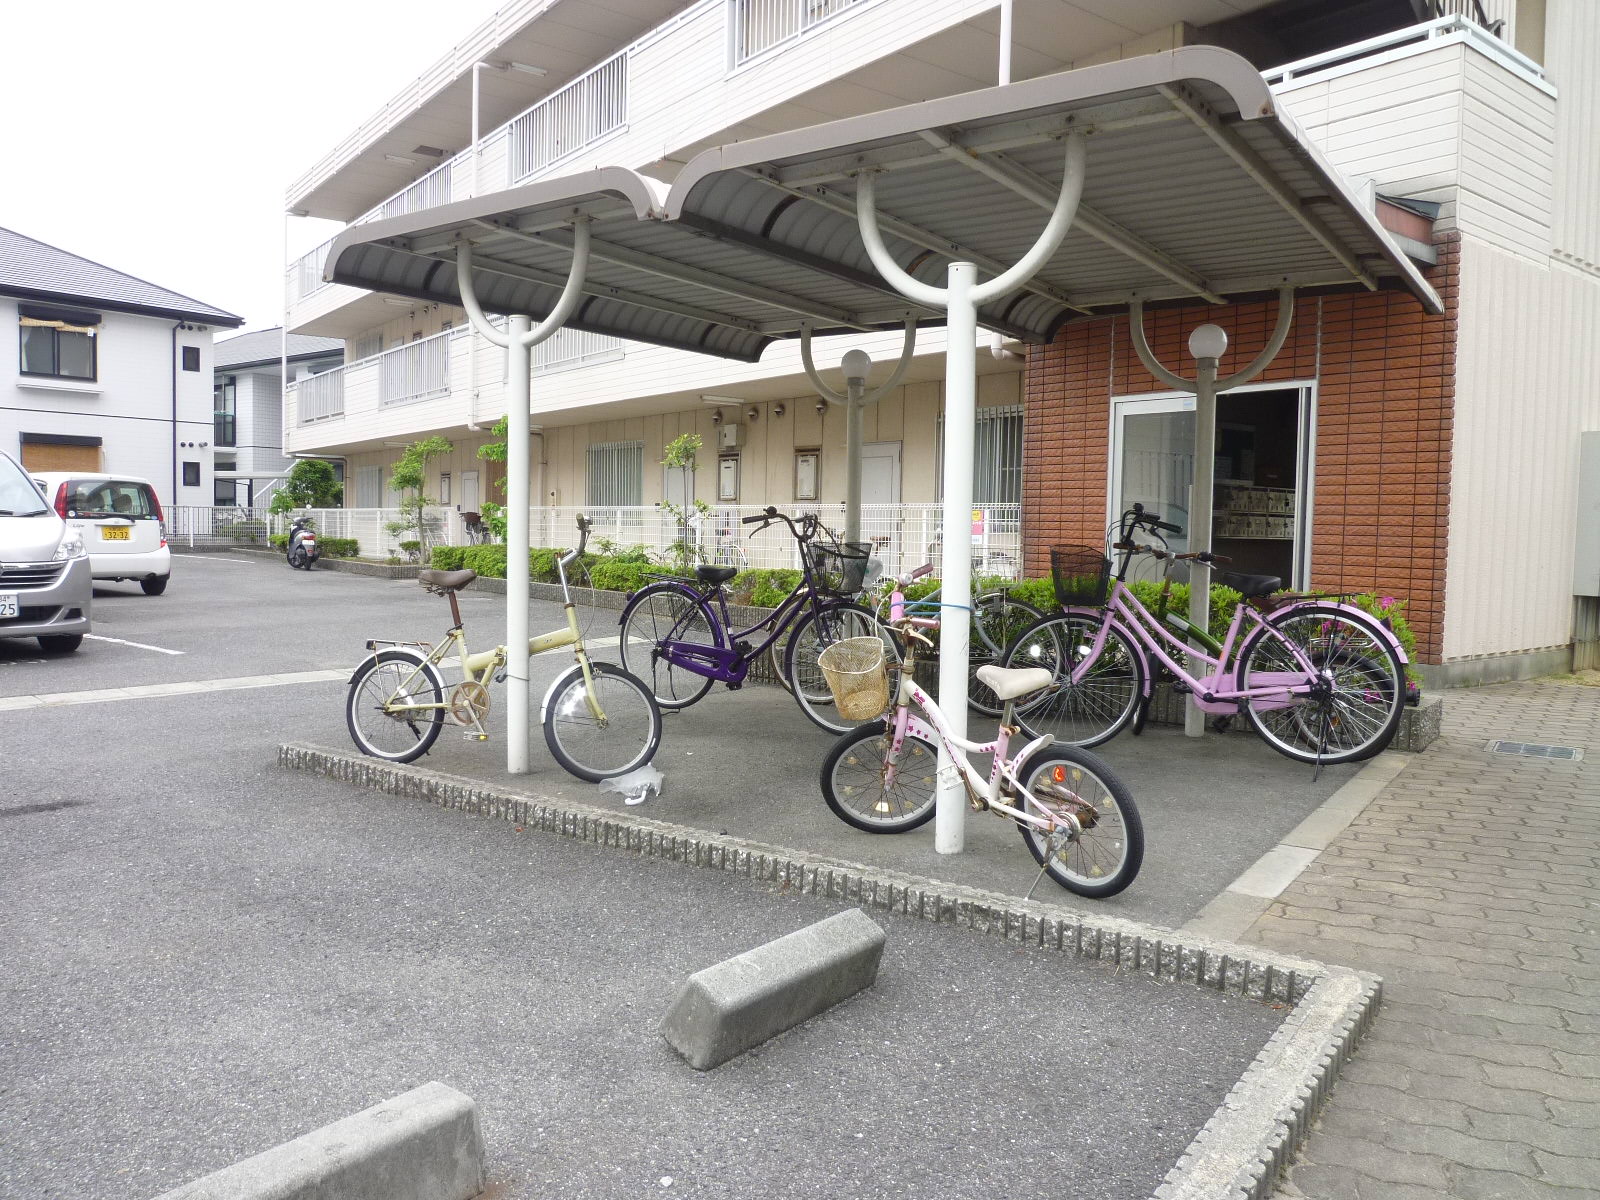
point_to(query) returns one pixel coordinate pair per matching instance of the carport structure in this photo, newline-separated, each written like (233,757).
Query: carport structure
(1166,177)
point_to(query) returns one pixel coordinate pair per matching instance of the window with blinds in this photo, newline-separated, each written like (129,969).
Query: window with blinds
(996,455)
(616,475)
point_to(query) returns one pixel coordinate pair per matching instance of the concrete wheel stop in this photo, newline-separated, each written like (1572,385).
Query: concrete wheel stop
(425,1144)
(737,1004)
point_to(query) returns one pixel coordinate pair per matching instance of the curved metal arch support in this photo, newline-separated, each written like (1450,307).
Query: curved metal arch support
(1280,334)
(571,293)
(907,349)
(1141,347)
(1066,207)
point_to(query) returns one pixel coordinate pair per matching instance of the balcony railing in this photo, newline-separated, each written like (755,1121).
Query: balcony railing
(573,347)
(756,26)
(305,276)
(319,397)
(1412,38)
(415,372)
(432,190)
(587,109)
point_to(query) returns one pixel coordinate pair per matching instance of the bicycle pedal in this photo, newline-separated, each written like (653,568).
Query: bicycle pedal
(1180,688)
(743,648)
(499,676)
(475,737)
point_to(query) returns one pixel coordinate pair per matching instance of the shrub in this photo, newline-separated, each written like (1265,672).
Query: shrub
(763,587)
(619,575)
(278,541)
(447,558)
(332,547)
(487,560)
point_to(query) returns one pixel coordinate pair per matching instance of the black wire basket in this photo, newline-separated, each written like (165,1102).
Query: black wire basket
(838,568)
(1082,576)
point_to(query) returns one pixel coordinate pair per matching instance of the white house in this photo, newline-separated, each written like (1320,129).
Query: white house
(112,373)
(247,408)
(1431,457)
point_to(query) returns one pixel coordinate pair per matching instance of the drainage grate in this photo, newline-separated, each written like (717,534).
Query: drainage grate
(1534,750)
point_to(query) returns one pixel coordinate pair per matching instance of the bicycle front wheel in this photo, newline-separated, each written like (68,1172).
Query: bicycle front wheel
(1101,854)
(1095,708)
(1356,700)
(997,620)
(811,635)
(656,614)
(582,745)
(864,788)
(379,725)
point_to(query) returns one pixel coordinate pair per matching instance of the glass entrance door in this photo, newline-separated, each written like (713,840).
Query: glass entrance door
(1262,475)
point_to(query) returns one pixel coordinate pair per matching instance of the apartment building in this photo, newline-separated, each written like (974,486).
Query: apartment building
(247,407)
(1430,457)
(111,371)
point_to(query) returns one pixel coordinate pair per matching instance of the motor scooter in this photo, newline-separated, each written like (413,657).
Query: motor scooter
(302,548)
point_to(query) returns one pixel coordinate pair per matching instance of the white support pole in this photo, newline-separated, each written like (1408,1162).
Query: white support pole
(1005,42)
(1200,505)
(853,408)
(955,574)
(518,397)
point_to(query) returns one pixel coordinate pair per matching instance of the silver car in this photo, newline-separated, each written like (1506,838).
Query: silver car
(45,582)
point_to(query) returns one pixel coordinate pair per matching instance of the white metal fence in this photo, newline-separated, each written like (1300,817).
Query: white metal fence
(756,26)
(903,536)
(305,276)
(587,109)
(417,371)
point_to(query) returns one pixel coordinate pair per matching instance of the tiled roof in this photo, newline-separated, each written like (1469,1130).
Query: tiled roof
(264,346)
(38,271)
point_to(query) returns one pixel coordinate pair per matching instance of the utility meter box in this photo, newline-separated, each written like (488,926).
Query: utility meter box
(1586,560)
(729,435)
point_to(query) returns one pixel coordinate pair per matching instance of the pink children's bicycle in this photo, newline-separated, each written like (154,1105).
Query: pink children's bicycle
(1077,819)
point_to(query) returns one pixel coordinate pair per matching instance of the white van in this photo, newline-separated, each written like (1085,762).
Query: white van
(120,521)
(45,589)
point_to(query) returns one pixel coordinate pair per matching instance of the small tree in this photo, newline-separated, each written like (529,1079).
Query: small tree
(680,455)
(311,484)
(410,478)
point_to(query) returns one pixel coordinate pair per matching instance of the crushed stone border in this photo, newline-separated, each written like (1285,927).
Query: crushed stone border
(1239,1154)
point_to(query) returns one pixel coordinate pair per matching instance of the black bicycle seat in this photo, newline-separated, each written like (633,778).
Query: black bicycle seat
(715,574)
(1248,586)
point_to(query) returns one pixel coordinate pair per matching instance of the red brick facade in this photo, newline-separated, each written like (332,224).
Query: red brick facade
(1385,374)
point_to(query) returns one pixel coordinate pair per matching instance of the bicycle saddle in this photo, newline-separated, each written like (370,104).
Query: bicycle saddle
(1248,586)
(715,574)
(445,581)
(1010,682)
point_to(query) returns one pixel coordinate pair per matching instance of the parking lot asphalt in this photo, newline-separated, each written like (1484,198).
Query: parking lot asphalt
(206,956)
(744,763)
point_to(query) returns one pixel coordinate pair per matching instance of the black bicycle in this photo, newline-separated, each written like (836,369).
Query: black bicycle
(678,637)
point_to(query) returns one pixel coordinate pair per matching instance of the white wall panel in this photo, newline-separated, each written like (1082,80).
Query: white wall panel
(1527,358)
(1572,54)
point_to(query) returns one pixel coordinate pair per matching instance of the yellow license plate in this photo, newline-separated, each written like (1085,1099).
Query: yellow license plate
(119,534)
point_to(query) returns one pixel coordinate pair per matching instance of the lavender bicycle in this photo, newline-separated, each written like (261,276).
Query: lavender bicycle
(678,637)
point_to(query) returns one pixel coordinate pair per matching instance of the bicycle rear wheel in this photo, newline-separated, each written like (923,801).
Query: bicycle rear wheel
(813,633)
(1102,858)
(580,743)
(390,677)
(997,620)
(856,786)
(1357,701)
(657,613)
(1098,705)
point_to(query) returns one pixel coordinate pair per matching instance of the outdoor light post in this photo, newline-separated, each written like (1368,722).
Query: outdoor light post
(856,365)
(1207,344)
(960,299)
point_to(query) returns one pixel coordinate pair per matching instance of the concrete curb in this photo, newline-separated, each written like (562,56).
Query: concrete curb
(1244,1146)
(425,1144)
(736,1004)
(348,566)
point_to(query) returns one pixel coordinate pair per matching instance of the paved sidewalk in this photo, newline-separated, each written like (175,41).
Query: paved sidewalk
(1470,884)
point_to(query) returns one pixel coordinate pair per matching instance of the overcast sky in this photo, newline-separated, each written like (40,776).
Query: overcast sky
(159,139)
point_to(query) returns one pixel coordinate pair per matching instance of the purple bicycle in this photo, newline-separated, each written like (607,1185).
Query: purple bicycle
(677,636)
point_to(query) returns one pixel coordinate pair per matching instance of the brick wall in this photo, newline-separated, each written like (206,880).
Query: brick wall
(1385,373)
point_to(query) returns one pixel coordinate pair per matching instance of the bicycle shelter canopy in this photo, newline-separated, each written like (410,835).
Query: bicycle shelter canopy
(1194,185)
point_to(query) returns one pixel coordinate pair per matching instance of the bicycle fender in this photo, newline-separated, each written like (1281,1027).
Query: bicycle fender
(1033,747)
(415,656)
(1134,640)
(1388,634)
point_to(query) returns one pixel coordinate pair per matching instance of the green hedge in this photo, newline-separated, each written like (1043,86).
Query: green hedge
(332,547)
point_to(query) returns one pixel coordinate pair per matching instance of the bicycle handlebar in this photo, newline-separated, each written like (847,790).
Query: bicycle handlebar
(924,569)
(572,556)
(1140,517)
(770,515)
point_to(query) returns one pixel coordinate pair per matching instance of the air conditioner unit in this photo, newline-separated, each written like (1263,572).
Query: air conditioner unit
(729,435)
